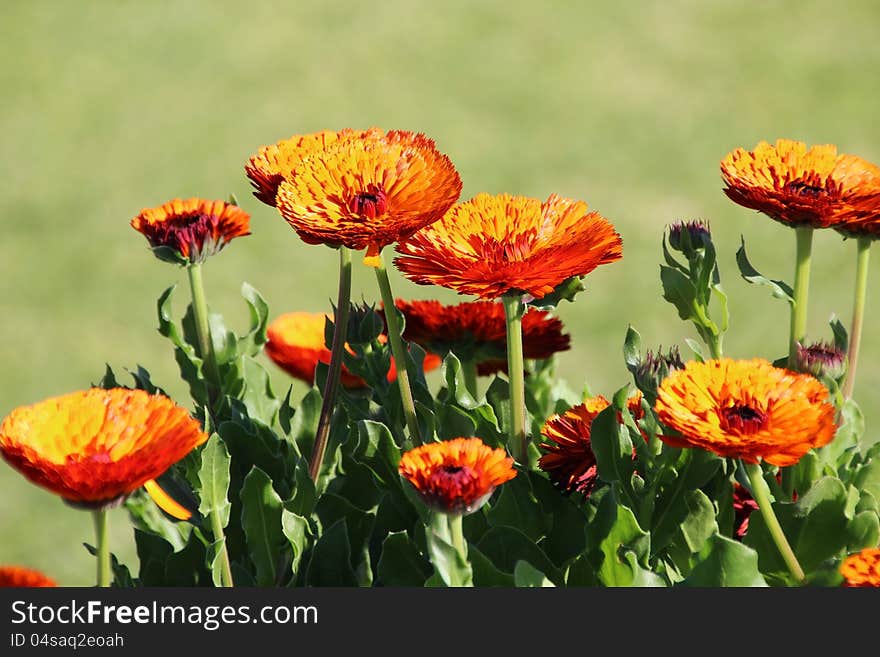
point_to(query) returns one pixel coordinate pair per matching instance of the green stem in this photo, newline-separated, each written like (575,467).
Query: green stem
(220,538)
(397,350)
(103,546)
(456,531)
(855,338)
(518,441)
(331,385)
(469,370)
(203,330)
(804,239)
(761,493)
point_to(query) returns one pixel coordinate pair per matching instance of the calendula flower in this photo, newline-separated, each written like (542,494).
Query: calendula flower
(16,576)
(95,447)
(862,569)
(191,230)
(569,460)
(492,245)
(456,476)
(296,344)
(477,331)
(361,190)
(800,186)
(745,409)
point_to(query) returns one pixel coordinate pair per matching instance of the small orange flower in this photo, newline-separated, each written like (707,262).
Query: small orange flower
(477,331)
(95,447)
(862,569)
(745,409)
(193,229)
(569,461)
(458,475)
(492,245)
(797,186)
(16,576)
(296,344)
(361,190)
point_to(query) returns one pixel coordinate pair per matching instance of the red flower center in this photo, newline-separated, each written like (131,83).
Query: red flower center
(742,419)
(453,477)
(185,233)
(801,188)
(371,203)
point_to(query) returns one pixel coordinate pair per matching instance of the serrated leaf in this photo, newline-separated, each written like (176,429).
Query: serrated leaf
(296,530)
(214,480)
(261,520)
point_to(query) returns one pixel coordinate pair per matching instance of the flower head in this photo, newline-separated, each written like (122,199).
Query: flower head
(800,186)
(95,447)
(745,409)
(685,236)
(191,230)
(492,245)
(458,475)
(862,569)
(477,331)
(16,576)
(569,460)
(821,359)
(296,344)
(361,190)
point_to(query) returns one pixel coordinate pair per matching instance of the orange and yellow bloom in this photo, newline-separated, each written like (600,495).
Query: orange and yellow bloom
(477,331)
(192,229)
(95,447)
(358,189)
(745,409)
(456,476)
(17,576)
(862,569)
(569,460)
(491,245)
(296,344)
(800,186)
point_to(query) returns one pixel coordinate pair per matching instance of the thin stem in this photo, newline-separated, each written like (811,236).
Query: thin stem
(220,539)
(103,547)
(203,330)
(331,385)
(397,351)
(457,532)
(858,318)
(761,493)
(469,370)
(518,441)
(804,239)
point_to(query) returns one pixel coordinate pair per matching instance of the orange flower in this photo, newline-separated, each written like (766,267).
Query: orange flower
(492,245)
(296,344)
(569,461)
(862,569)
(458,475)
(745,409)
(95,447)
(193,229)
(477,331)
(357,189)
(16,576)
(797,186)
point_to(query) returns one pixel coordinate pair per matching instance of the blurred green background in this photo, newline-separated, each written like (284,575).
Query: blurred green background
(109,107)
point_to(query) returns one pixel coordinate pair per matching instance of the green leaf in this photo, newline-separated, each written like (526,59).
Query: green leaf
(841,339)
(251,343)
(485,572)
(453,569)
(214,480)
(527,576)
(377,450)
(779,289)
(517,507)
(504,546)
(296,530)
(679,291)
(612,448)
(401,563)
(632,346)
(624,545)
(152,551)
(565,291)
(261,520)
(725,562)
(330,564)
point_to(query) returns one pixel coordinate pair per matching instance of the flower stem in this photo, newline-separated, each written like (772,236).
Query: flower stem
(518,441)
(203,330)
(469,370)
(220,538)
(761,493)
(804,240)
(457,533)
(340,328)
(397,350)
(103,547)
(858,318)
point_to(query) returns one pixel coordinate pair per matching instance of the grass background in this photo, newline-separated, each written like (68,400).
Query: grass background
(109,107)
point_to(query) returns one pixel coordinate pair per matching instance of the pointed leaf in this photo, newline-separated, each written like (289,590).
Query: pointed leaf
(261,520)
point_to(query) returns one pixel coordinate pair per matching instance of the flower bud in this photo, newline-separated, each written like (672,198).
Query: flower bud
(821,359)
